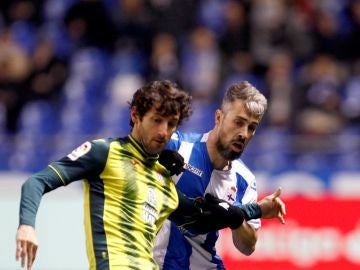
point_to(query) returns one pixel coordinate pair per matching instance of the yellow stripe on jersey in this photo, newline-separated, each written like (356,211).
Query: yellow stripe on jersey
(88,229)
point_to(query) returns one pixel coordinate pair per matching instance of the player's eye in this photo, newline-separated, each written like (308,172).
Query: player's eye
(157,120)
(172,124)
(252,128)
(239,123)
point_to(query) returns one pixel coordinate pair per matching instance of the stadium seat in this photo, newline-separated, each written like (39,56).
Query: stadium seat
(115,121)
(202,119)
(127,61)
(38,118)
(30,154)
(6,148)
(78,119)
(270,150)
(24,35)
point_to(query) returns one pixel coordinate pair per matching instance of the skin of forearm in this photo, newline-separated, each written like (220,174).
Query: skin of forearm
(245,238)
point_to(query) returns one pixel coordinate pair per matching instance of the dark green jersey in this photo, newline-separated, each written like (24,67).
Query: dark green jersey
(128,195)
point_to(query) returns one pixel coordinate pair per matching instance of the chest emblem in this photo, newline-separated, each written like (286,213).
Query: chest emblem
(134,162)
(231,194)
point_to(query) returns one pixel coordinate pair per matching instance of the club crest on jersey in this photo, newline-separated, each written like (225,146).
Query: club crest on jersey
(80,151)
(231,194)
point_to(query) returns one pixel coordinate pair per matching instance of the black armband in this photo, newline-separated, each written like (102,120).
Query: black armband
(251,211)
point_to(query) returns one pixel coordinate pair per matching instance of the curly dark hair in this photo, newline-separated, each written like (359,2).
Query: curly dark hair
(166,95)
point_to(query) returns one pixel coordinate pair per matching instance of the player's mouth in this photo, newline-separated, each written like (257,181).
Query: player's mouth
(237,146)
(160,141)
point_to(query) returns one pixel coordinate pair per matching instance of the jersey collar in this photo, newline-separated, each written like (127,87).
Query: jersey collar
(140,148)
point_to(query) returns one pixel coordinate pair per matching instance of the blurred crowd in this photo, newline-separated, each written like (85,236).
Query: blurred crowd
(68,68)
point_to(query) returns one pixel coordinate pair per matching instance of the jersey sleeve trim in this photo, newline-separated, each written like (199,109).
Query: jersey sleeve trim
(58,174)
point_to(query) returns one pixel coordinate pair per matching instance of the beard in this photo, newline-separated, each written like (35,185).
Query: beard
(226,152)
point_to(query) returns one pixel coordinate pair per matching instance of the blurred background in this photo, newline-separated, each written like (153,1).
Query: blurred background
(69,67)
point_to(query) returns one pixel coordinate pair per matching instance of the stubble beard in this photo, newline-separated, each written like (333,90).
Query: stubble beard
(225,152)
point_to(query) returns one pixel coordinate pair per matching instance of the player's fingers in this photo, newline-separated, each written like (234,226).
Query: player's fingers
(23,252)
(277,193)
(280,205)
(281,210)
(281,218)
(35,248)
(18,250)
(30,256)
(34,254)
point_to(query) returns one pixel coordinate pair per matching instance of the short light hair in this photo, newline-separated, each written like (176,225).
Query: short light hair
(255,102)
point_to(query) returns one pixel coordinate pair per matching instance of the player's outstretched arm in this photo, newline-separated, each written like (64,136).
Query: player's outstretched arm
(206,214)
(273,207)
(26,245)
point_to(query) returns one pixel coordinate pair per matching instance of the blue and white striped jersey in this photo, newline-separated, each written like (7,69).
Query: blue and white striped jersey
(176,250)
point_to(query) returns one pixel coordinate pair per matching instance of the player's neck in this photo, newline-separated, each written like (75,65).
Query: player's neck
(218,162)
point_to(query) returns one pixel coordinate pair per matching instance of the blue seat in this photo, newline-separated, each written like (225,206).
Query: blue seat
(127,61)
(115,120)
(78,119)
(90,64)
(30,154)
(6,148)
(38,118)
(59,37)
(3,129)
(24,35)
(88,76)
(202,119)
(270,149)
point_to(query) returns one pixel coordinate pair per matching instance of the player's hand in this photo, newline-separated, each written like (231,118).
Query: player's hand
(26,245)
(273,207)
(172,161)
(225,214)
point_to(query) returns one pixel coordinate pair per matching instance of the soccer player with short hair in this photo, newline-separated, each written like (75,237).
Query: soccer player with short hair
(213,165)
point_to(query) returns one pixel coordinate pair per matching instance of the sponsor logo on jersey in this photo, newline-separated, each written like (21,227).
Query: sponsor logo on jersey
(253,185)
(150,214)
(193,169)
(80,151)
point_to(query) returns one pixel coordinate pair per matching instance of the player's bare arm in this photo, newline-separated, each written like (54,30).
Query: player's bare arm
(245,238)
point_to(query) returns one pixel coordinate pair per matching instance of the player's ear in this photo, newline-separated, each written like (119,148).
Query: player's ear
(134,115)
(218,114)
